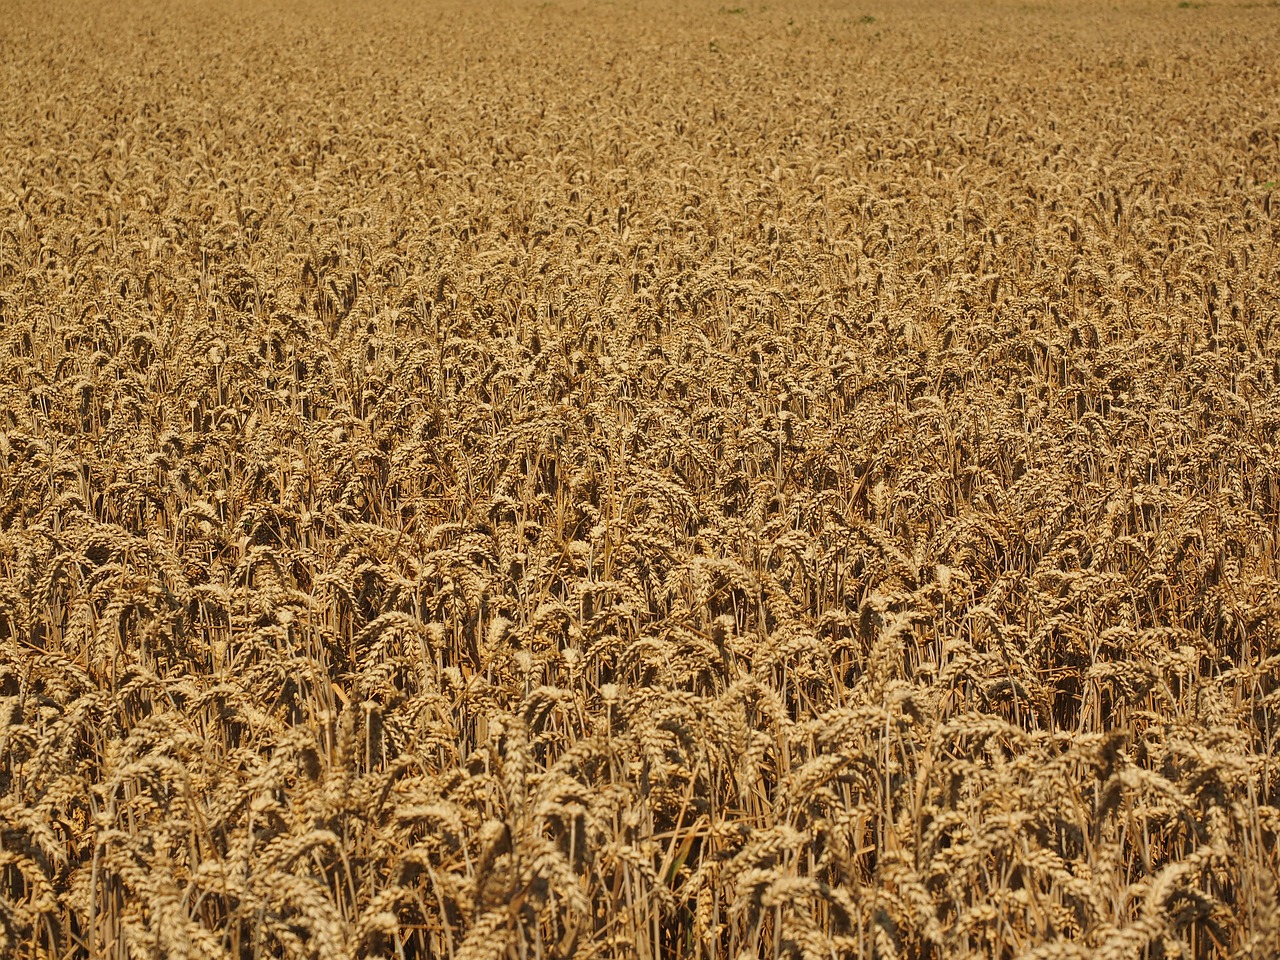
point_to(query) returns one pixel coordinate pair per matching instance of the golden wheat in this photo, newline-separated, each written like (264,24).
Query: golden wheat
(636,480)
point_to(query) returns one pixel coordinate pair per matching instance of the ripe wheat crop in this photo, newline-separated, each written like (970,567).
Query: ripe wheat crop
(506,481)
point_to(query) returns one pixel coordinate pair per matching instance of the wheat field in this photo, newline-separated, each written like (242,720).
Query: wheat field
(614,479)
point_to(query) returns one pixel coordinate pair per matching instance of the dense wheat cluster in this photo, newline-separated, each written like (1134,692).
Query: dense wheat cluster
(639,480)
